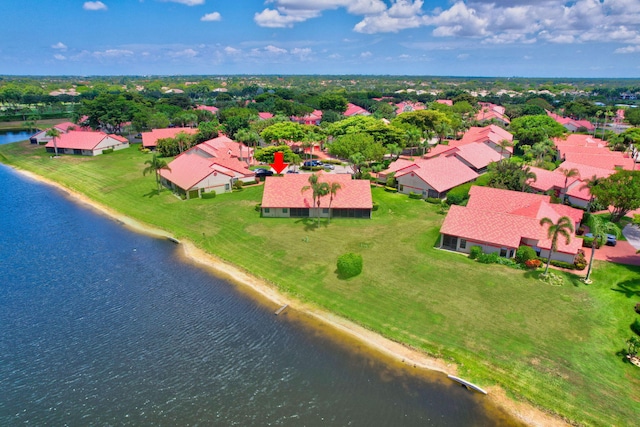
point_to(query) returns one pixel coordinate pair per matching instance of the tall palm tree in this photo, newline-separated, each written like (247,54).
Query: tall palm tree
(568,173)
(598,114)
(590,183)
(155,166)
(333,190)
(319,190)
(564,227)
(504,144)
(598,227)
(413,136)
(54,134)
(527,175)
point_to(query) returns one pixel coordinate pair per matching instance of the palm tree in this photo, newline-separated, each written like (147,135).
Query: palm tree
(598,227)
(319,190)
(54,134)
(413,136)
(568,173)
(333,190)
(155,166)
(527,175)
(564,227)
(590,183)
(598,114)
(504,144)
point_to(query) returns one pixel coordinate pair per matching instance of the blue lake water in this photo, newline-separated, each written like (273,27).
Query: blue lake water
(13,136)
(103,326)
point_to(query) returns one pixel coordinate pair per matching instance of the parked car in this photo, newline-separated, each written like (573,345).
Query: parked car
(292,171)
(262,173)
(311,163)
(610,239)
(328,166)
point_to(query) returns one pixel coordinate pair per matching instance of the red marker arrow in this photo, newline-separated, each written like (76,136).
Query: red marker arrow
(278,164)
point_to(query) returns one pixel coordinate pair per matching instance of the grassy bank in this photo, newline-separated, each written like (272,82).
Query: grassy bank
(554,346)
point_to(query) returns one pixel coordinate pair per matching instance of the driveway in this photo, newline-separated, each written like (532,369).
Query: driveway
(632,234)
(622,253)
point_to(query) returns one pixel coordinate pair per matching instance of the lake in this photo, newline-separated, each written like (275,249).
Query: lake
(13,136)
(104,326)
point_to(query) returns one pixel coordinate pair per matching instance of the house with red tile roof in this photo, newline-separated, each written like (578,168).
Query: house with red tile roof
(578,194)
(547,180)
(489,112)
(572,125)
(87,143)
(265,116)
(502,220)
(213,165)
(208,108)
(150,139)
(475,155)
(313,118)
(406,106)
(355,110)
(434,177)
(41,137)
(445,102)
(283,197)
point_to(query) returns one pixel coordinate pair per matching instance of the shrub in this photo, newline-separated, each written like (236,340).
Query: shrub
(107,151)
(391,189)
(391,180)
(455,199)
(635,326)
(413,195)
(209,195)
(562,264)
(491,258)
(312,168)
(238,185)
(533,263)
(375,206)
(588,241)
(580,262)
(433,200)
(475,252)
(258,207)
(349,265)
(524,254)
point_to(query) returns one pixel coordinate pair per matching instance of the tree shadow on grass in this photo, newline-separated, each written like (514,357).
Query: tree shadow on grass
(152,193)
(630,288)
(310,224)
(342,276)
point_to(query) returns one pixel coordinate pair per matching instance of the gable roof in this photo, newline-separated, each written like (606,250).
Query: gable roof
(82,140)
(441,173)
(150,139)
(477,154)
(547,180)
(286,192)
(503,218)
(355,110)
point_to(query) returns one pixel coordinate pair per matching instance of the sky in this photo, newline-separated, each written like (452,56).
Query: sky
(501,38)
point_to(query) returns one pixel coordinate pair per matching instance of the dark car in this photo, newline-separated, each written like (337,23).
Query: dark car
(262,173)
(311,163)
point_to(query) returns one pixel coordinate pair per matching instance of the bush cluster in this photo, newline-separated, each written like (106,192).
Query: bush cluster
(533,263)
(475,252)
(524,254)
(311,168)
(349,265)
(238,185)
(581,261)
(413,195)
(456,199)
(562,264)
(391,189)
(209,195)
(107,151)
(635,326)
(375,207)
(433,200)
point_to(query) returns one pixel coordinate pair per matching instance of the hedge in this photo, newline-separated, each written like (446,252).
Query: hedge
(349,265)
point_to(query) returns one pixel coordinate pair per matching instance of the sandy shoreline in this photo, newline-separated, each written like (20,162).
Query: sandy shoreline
(260,289)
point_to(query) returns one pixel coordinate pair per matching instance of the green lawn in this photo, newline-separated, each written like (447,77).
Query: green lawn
(554,346)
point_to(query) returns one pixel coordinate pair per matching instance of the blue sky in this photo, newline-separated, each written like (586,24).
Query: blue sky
(528,38)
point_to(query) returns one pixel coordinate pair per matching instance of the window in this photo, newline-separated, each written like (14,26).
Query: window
(266,210)
(463,244)
(503,252)
(325,210)
(285,210)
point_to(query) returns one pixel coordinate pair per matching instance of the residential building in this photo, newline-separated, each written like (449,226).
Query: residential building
(150,139)
(434,177)
(86,143)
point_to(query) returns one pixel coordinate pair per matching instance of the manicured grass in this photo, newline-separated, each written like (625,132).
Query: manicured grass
(554,346)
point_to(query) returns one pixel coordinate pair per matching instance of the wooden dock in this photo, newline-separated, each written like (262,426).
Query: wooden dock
(467,384)
(281,309)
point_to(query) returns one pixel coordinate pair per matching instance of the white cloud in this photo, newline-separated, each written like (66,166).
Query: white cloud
(628,49)
(59,57)
(187,2)
(232,51)
(274,19)
(290,12)
(186,53)
(60,46)
(275,50)
(94,5)
(366,54)
(210,17)
(112,53)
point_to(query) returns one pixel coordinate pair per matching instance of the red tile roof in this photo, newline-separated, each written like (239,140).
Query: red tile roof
(503,218)
(586,171)
(601,160)
(150,139)
(441,173)
(445,102)
(286,192)
(354,110)
(477,154)
(83,140)
(548,180)
(265,116)
(576,139)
